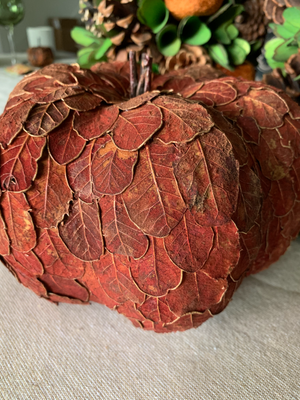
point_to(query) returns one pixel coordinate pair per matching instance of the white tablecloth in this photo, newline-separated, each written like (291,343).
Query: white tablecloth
(250,351)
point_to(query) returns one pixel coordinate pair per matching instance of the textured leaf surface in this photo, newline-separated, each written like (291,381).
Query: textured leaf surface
(112,169)
(55,256)
(93,124)
(19,162)
(4,239)
(135,127)
(153,200)
(18,220)
(55,93)
(65,144)
(265,106)
(81,231)
(62,73)
(157,310)
(189,244)
(50,194)
(114,275)
(207,173)
(120,234)
(282,202)
(43,118)
(11,122)
(138,100)
(215,92)
(155,274)
(26,262)
(182,121)
(83,101)
(67,288)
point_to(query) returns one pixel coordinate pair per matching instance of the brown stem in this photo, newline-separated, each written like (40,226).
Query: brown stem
(133,74)
(147,86)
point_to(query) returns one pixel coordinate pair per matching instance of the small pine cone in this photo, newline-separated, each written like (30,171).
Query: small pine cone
(252,23)
(187,55)
(274,9)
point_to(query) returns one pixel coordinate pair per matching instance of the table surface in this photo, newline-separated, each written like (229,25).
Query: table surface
(250,351)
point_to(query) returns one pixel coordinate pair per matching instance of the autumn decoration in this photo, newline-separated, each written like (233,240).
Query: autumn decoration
(155,199)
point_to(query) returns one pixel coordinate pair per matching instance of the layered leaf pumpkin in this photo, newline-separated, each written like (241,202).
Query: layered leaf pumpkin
(156,206)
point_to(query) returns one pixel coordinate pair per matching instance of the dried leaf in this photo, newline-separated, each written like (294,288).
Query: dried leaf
(109,95)
(43,118)
(155,274)
(19,162)
(188,321)
(120,234)
(4,239)
(208,173)
(135,127)
(291,222)
(50,194)
(83,101)
(55,256)
(112,169)
(266,106)
(62,73)
(27,263)
(283,203)
(197,292)
(65,287)
(189,244)
(190,90)
(18,220)
(290,135)
(153,200)
(55,93)
(11,122)
(215,92)
(81,231)
(65,145)
(79,173)
(93,124)
(182,120)
(138,101)
(113,272)
(156,310)
(178,83)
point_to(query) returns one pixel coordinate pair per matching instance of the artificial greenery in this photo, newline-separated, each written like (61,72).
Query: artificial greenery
(216,33)
(287,40)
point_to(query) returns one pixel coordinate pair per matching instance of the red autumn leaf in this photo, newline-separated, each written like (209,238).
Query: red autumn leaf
(188,321)
(207,173)
(112,169)
(79,173)
(50,194)
(97,293)
(62,73)
(266,106)
(249,199)
(282,203)
(157,310)
(293,106)
(250,129)
(138,101)
(225,252)
(83,101)
(20,228)
(135,127)
(56,257)
(65,287)
(94,123)
(81,231)
(26,262)
(109,95)
(65,145)
(31,282)
(4,239)
(11,122)
(290,135)
(182,120)
(295,174)
(197,292)
(113,272)
(120,234)
(55,93)
(155,274)
(189,244)
(215,92)
(153,200)
(118,82)
(43,118)
(36,84)
(290,223)
(17,100)
(190,90)
(179,83)
(19,162)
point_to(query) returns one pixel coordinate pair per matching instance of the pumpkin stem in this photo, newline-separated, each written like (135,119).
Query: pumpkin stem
(138,87)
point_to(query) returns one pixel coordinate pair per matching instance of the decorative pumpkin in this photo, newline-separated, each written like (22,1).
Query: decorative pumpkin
(156,205)
(182,9)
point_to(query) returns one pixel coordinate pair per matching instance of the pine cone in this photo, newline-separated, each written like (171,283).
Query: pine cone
(288,82)
(274,9)
(252,23)
(187,55)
